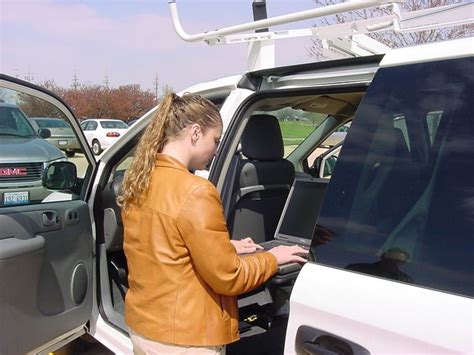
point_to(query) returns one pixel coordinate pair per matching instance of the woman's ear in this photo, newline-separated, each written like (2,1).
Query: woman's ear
(195,132)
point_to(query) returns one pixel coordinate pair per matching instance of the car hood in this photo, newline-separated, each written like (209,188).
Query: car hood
(31,149)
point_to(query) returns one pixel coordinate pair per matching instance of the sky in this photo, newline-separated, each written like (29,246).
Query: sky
(130,41)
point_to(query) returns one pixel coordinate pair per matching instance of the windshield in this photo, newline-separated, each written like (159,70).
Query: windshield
(400,204)
(113,124)
(14,123)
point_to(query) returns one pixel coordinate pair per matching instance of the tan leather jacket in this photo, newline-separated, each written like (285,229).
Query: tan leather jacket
(184,274)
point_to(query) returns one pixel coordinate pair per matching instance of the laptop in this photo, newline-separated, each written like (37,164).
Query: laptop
(298,218)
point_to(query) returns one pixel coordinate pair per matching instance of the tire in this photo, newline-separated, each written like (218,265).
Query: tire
(96,148)
(70,153)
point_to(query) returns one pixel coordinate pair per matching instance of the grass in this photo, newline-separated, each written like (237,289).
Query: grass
(294,132)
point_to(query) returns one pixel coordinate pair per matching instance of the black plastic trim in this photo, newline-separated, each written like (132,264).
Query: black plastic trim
(252,80)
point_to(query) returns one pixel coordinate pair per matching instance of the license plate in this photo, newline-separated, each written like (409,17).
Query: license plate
(62,142)
(15,198)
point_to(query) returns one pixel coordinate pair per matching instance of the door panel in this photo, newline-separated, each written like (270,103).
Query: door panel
(46,273)
(379,315)
(46,241)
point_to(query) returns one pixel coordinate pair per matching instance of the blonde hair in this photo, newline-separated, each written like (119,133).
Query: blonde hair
(173,115)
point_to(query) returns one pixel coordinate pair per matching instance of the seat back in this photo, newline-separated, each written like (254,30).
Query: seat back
(263,181)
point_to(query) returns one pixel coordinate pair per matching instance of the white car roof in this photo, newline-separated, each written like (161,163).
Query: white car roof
(213,85)
(458,48)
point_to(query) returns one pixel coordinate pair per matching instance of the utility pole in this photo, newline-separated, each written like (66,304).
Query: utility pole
(75,81)
(155,83)
(106,81)
(29,75)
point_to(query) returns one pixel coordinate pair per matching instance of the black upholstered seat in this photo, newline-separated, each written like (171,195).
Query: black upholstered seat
(263,180)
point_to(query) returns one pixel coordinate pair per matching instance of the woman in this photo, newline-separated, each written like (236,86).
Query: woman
(184,272)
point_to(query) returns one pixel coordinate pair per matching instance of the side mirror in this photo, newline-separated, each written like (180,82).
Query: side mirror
(329,165)
(44,133)
(60,175)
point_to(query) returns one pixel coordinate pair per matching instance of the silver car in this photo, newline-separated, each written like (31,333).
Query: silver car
(20,173)
(62,135)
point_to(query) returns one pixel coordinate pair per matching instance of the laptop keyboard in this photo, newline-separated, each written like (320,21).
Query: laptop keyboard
(272,244)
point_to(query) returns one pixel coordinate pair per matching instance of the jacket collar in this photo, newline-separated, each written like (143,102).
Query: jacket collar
(163,160)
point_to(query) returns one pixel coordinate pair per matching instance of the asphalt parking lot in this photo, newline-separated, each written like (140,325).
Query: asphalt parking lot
(81,163)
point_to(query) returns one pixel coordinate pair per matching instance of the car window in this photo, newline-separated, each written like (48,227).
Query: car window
(401,204)
(113,124)
(321,161)
(51,123)
(25,153)
(92,126)
(295,125)
(13,122)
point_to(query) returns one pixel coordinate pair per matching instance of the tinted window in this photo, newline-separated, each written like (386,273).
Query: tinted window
(45,123)
(113,124)
(400,204)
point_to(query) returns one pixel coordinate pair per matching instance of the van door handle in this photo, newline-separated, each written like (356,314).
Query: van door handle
(49,218)
(310,340)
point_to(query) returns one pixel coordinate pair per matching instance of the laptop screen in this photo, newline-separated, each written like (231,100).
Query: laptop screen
(301,209)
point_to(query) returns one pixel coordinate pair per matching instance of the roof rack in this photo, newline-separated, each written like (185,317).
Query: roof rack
(345,39)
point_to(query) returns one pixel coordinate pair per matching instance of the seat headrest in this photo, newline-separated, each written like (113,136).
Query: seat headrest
(261,139)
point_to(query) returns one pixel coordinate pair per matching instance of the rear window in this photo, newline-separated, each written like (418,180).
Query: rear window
(400,204)
(45,123)
(113,124)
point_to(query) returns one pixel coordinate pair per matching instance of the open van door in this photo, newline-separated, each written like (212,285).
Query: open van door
(46,237)
(391,260)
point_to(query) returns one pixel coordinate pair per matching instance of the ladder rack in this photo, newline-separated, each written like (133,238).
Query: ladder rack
(345,39)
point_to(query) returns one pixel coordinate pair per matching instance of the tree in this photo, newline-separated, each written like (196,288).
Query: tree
(36,107)
(391,38)
(130,102)
(94,101)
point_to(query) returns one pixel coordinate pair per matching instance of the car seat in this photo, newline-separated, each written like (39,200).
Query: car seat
(263,180)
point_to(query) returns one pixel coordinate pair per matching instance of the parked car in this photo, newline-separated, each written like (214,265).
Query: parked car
(102,133)
(24,155)
(390,267)
(62,135)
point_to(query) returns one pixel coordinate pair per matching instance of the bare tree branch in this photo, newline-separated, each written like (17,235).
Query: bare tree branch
(390,38)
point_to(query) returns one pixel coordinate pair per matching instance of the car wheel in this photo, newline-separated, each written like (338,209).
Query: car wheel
(96,148)
(70,153)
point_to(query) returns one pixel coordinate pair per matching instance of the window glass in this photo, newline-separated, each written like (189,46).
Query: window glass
(13,122)
(34,133)
(432,121)
(295,125)
(92,126)
(113,124)
(322,160)
(400,205)
(51,123)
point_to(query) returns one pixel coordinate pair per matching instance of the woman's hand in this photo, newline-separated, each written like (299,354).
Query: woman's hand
(289,254)
(246,245)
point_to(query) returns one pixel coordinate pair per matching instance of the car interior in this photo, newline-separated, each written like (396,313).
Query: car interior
(254,175)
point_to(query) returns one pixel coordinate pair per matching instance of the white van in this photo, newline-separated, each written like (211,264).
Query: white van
(390,266)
